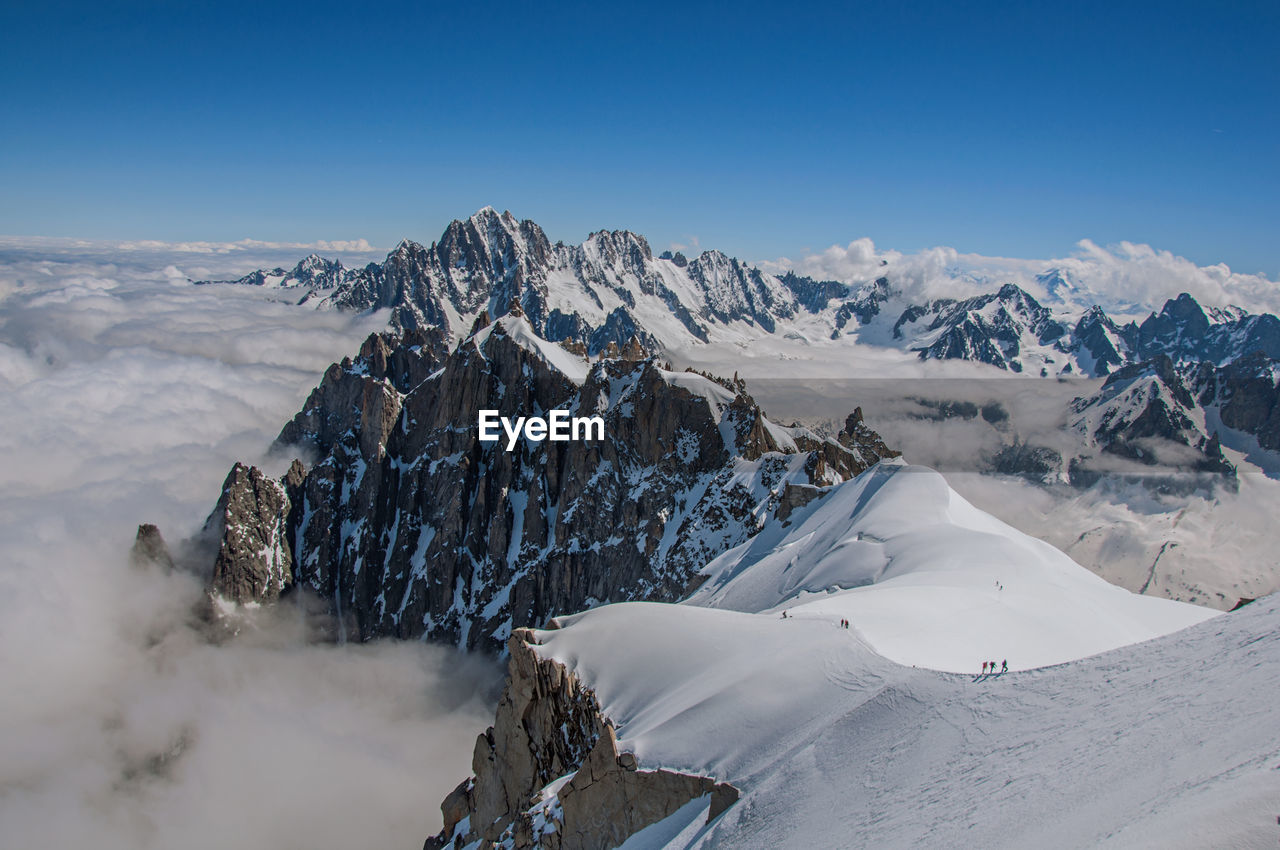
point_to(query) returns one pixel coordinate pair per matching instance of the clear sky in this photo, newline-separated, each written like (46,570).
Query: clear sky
(1009,129)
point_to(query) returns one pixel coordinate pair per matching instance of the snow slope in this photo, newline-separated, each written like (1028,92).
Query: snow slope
(1142,737)
(570,365)
(1170,743)
(929,580)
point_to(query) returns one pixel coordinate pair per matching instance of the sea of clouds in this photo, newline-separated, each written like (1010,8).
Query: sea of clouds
(126,394)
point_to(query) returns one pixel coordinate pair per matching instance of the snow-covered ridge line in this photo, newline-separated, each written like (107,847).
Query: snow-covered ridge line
(1164,743)
(929,580)
(612,288)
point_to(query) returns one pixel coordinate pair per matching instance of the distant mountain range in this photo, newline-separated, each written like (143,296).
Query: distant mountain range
(1180,383)
(612,288)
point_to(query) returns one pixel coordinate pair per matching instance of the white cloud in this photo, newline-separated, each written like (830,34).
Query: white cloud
(1145,276)
(692,246)
(1127,278)
(127,398)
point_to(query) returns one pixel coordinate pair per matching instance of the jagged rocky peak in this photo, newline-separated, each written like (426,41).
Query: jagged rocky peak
(857,435)
(1245,394)
(1101,344)
(733,291)
(316,270)
(415,527)
(1145,415)
(864,305)
(999,329)
(1181,320)
(254,563)
(549,774)
(363,395)
(149,548)
(611,288)
(621,248)
(1187,333)
(491,256)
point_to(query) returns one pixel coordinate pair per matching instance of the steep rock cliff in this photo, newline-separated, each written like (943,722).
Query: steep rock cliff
(411,526)
(548,773)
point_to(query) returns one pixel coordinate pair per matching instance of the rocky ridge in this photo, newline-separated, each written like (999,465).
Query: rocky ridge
(1165,425)
(612,288)
(606,290)
(548,773)
(1146,415)
(409,525)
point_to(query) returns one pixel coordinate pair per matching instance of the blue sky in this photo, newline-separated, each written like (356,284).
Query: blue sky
(1005,129)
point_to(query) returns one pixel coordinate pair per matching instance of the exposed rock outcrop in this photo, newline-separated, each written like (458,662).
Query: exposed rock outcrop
(987,328)
(251,522)
(363,395)
(411,526)
(491,261)
(548,774)
(611,289)
(1245,394)
(149,548)
(1145,416)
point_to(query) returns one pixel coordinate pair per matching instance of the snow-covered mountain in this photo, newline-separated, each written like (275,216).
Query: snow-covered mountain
(1008,329)
(1164,424)
(669,702)
(1145,416)
(1241,399)
(608,289)
(612,287)
(1123,721)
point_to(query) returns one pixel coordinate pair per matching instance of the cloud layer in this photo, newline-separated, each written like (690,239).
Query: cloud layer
(1128,279)
(1211,546)
(128,394)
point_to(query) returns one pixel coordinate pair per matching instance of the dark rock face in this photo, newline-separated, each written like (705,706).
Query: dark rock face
(734,291)
(1145,414)
(549,725)
(149,548)
(1037,463)
(1245,394)
(987,328)
(1106,344)
(583,293)
(995,328)
(1186,334)
(255,559)
(591,294)
(864,305)
(414,527)
(814,295)
(363,395)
